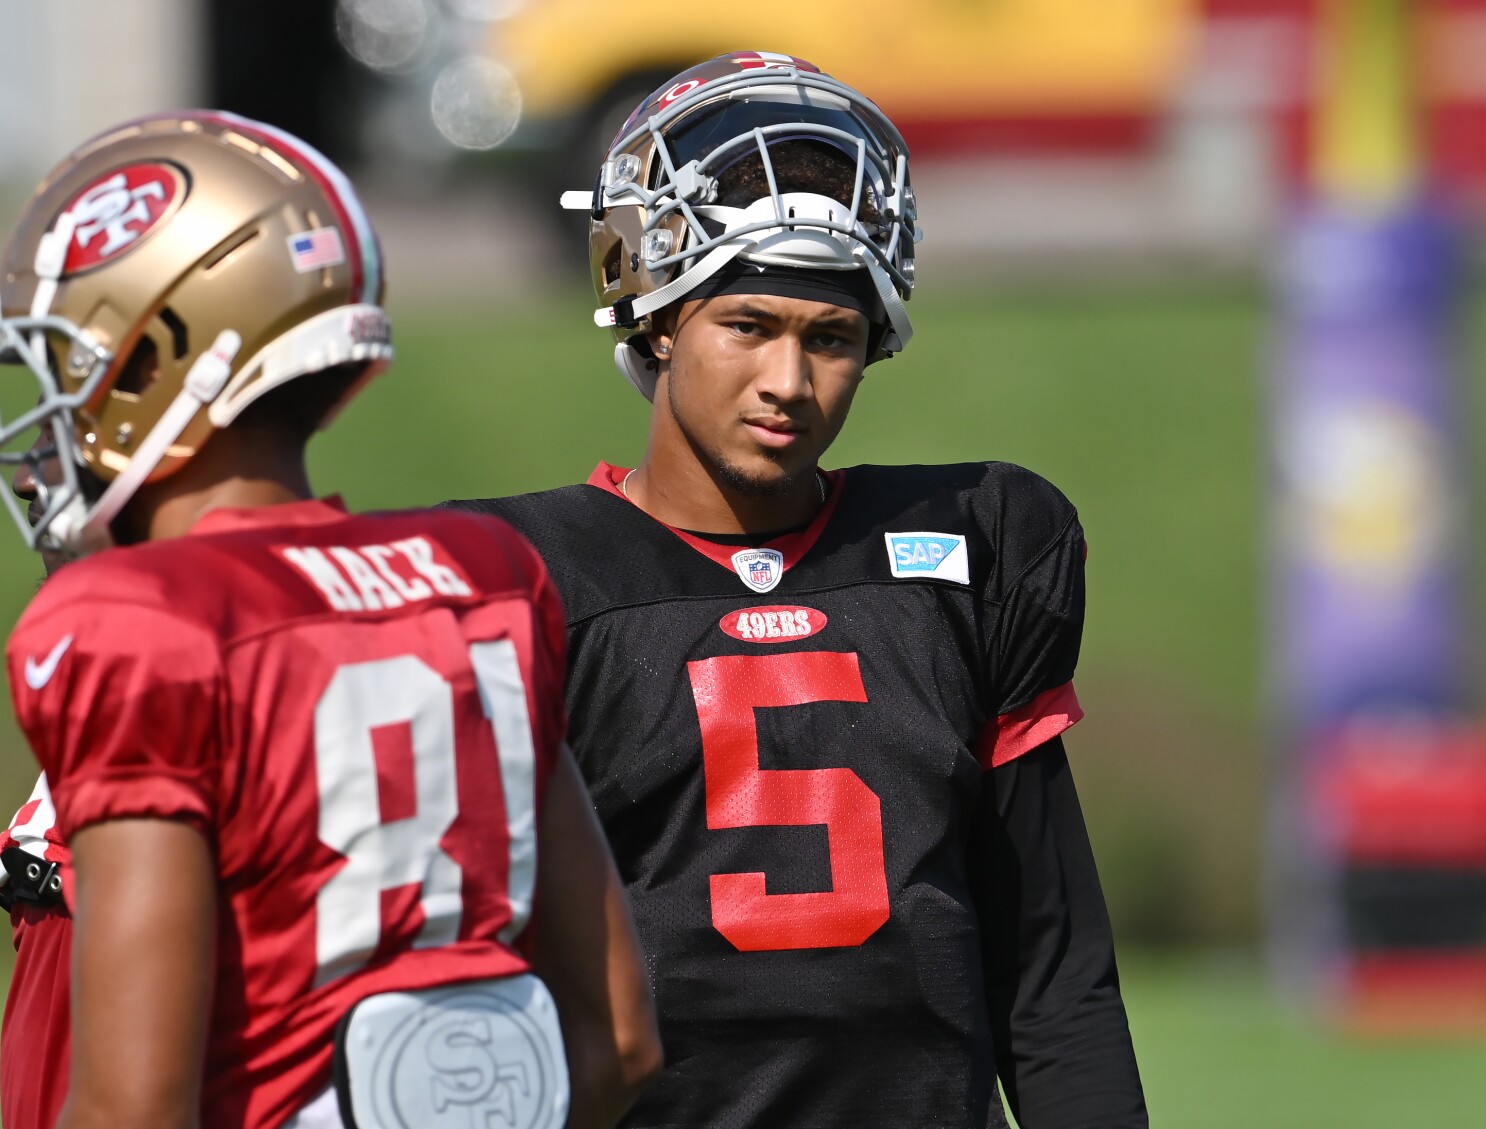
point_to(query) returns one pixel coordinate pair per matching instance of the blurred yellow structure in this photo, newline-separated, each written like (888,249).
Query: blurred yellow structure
(936,63)
(1367,149)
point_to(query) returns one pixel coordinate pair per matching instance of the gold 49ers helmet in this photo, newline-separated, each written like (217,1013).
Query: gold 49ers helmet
(658,230)
(162,278)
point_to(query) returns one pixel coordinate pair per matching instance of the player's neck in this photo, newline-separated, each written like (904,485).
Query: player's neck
(686,493)
(231,472)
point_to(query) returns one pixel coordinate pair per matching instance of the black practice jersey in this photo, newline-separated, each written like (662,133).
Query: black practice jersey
(787,744)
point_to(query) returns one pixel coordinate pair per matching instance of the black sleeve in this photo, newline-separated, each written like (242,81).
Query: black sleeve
(1039,623)
(1063,1048)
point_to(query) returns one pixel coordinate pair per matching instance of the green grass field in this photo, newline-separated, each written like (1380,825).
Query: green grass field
(1218,1051)
(1146,406)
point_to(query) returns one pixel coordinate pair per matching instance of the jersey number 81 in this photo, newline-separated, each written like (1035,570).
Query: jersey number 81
(382,856)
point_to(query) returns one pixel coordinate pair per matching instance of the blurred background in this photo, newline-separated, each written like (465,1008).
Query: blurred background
(1212,266)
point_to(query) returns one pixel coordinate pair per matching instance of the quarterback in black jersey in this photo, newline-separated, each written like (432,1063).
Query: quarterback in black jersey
(820,713)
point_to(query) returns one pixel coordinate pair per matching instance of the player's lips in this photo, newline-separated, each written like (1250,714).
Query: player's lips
(775,432)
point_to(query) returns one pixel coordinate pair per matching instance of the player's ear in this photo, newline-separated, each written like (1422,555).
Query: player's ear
(662,333)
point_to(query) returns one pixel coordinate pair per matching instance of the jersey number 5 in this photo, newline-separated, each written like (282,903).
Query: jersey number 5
(384,854)
(740,794)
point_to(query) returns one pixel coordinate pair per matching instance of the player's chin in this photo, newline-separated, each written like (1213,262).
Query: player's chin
(53,559)
(768,473)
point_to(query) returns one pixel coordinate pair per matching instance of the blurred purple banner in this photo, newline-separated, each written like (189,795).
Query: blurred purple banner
(1369,436)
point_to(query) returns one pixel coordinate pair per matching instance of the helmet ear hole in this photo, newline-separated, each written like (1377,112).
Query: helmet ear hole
(141,370)
(180,340)
(611,267)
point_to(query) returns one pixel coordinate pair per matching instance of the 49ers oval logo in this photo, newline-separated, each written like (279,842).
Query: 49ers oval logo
(774,624)
(119,209)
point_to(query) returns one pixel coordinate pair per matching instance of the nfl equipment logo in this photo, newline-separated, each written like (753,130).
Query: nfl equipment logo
(760,569)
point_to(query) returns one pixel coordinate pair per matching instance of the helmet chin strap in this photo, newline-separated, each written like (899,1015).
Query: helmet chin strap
(346,334)
(900,329)
(84,529)
(50,261)
(629,311)
(51,258)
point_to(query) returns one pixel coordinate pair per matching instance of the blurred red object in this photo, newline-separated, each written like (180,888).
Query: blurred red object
(1402,795)
(1414,994)
(1452,43)
(1398,812)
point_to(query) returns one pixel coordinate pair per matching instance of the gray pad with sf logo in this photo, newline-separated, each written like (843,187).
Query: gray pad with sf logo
(487,1054)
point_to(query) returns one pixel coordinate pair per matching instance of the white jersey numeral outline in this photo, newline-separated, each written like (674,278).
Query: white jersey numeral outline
(382,856)
(503,697)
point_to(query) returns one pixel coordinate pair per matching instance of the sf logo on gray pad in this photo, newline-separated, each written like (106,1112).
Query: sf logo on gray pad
(483,1055)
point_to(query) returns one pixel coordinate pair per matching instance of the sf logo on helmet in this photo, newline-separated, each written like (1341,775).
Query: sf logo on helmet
(115,212)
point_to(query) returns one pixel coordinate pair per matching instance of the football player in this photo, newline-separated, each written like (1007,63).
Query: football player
(310,766)
(35,1047)
(821,713)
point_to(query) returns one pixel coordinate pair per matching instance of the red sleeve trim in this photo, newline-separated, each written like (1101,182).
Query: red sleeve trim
(1050,714)
(131,796)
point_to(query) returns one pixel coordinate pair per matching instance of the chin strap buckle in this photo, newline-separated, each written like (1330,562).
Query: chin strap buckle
(624,313)
(621,313)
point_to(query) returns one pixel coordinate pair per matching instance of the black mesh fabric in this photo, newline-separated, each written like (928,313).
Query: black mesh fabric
(893,1030)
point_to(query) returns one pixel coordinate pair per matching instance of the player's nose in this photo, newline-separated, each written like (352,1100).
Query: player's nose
(23,482)
(36,469)
(784,373)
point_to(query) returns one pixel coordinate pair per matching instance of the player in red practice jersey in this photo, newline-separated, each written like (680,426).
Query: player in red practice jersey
(310,766)
(35,1045)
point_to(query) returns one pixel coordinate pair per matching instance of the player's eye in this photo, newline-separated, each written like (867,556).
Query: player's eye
(835,341)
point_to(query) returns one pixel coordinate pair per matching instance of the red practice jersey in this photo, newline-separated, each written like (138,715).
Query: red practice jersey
(35,1040)
(360,713)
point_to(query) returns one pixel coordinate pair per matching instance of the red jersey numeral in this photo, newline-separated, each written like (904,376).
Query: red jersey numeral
(740,794)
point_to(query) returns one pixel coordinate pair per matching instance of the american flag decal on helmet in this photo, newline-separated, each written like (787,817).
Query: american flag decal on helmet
(312,250)
(363,253)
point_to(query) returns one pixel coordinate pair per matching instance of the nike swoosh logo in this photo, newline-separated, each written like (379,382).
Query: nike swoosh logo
(38,674)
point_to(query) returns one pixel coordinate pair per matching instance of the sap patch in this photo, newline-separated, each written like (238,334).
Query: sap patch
(940,556)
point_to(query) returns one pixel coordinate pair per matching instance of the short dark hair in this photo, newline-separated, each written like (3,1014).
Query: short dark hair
(800,165)
(297,408)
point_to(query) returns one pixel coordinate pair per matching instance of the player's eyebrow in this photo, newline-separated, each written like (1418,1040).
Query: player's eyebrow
(757,313)
(843,320)
(831,321)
